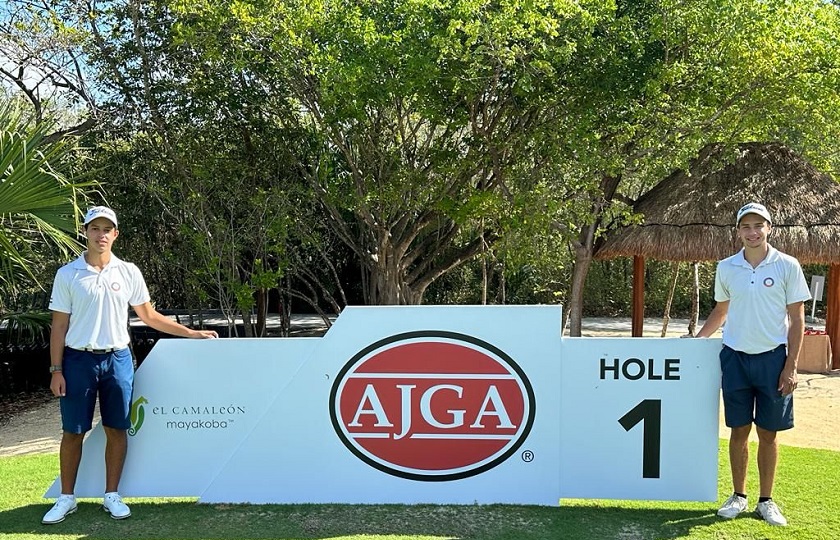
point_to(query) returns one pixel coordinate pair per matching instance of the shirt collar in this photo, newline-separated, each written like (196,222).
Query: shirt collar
(80,262)
(772,256)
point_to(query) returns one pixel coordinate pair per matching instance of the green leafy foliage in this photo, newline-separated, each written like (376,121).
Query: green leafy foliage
(39,205)
(426,150)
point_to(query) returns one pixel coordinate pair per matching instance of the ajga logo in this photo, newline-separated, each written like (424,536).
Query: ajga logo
(432,406)
(138,414)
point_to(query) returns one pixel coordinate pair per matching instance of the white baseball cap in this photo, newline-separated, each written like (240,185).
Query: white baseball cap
(753,208)
(101,211)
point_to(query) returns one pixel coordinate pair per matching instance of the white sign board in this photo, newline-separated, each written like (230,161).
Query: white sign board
(420,404)
(632,414)
(817,286)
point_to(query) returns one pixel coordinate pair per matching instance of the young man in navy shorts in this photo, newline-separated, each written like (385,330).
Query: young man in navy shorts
(89,355)
(760,294)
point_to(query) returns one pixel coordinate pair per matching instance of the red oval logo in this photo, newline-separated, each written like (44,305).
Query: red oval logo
(432,405)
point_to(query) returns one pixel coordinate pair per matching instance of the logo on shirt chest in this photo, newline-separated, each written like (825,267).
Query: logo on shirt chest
(116,286)
(769,282)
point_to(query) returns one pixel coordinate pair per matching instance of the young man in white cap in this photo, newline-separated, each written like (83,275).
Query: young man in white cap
(760,294)
(89,355)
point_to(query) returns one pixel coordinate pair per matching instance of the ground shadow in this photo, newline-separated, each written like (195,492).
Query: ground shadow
(188,520)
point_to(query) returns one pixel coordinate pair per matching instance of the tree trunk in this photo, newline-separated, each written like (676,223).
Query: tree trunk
(483,266)
(384,281)
(637,313)
(502,286)
(574,314)
(247,325)
(483,281)
(584,252)
(695,299)
(262,311)
(388,287)
(666,317)
(400,271)
(385,288)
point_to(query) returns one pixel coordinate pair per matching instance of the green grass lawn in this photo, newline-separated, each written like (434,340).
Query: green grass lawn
(807,488)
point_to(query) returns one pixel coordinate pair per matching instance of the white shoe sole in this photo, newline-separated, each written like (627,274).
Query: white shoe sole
(45,522)
(128,515)
(765,520)
(724,516)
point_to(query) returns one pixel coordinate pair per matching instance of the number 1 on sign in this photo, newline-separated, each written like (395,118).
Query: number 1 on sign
(650,412)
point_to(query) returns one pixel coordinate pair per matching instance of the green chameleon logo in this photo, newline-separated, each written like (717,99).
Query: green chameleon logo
(137,415)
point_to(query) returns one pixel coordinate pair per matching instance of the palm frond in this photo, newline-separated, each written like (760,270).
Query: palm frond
(39,205)
(25,326)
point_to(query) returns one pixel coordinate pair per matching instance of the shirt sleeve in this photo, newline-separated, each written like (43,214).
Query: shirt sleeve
(797,289)
(60,298)
(139,292)
(721,290)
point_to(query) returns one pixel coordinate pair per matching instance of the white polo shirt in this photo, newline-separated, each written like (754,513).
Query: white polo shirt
(757,320)
(98,302)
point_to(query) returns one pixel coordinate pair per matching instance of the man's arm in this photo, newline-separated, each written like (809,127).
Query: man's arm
(787,380)
(58,331)
(151,317)
(715,320)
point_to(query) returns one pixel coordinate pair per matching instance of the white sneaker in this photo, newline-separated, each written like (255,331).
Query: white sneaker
(733,506)
(114,505)
(64,505)
(769,512)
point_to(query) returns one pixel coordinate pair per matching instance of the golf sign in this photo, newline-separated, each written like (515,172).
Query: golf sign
(422,404)
(432,406)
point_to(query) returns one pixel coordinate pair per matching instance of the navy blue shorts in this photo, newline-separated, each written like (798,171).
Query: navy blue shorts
(86,374)
(750,385)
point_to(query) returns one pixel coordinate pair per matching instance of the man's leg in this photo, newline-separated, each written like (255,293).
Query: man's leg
(773,413)
(70,455)
(115,405)
(739,454)
(115,449)
(116,444)
(768,455)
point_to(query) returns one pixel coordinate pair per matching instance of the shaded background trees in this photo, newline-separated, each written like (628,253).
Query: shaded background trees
(315,154)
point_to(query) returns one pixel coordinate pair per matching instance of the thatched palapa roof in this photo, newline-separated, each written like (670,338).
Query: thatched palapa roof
(690,216)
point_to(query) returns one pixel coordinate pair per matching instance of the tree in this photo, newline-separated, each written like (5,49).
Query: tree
(423,114)
(429,133)
(187,138)
(667,78)
(177,139)
(44,61)
(39,205)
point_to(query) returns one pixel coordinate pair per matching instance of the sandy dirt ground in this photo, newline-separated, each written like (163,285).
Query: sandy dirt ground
(817,404)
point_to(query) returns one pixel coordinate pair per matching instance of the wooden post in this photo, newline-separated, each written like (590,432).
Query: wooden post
(638,309)
(832,313)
